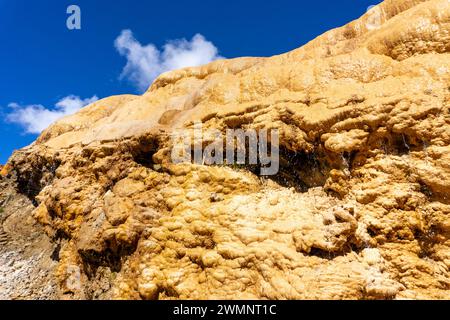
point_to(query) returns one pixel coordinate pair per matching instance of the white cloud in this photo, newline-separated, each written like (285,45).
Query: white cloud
(145,63)
(35,118)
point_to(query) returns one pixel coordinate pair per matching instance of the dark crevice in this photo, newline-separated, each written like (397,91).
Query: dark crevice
(301,170)
(402,144)
(32,181)
(424,189)
(30,186)
(112,257)
(55,254)
(426,240)
(328,255)
(169,293)
(145,158)
(61,235)
(349,158)
(323,254)
(52,213)
(144,151)
(372,232)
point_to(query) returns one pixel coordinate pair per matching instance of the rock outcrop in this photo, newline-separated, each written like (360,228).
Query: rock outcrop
(359,210)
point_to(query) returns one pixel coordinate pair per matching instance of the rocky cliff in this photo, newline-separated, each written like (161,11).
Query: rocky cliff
(360,208)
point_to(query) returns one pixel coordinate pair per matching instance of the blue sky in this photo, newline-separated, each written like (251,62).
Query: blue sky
(46,66)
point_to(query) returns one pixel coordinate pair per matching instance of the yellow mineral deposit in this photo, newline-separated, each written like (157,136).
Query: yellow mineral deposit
(360,208)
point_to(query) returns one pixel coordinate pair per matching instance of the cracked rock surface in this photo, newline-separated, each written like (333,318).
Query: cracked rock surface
(359,210)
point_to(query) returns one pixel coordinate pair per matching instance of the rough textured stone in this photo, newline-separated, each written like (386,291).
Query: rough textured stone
(359,210)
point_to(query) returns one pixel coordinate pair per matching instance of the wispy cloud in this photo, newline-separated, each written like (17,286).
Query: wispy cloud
(35,118)
(146,62)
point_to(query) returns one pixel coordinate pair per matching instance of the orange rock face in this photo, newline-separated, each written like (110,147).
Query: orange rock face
(4,170)
(360,208)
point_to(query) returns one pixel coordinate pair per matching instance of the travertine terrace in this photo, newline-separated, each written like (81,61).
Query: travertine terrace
(359,210)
